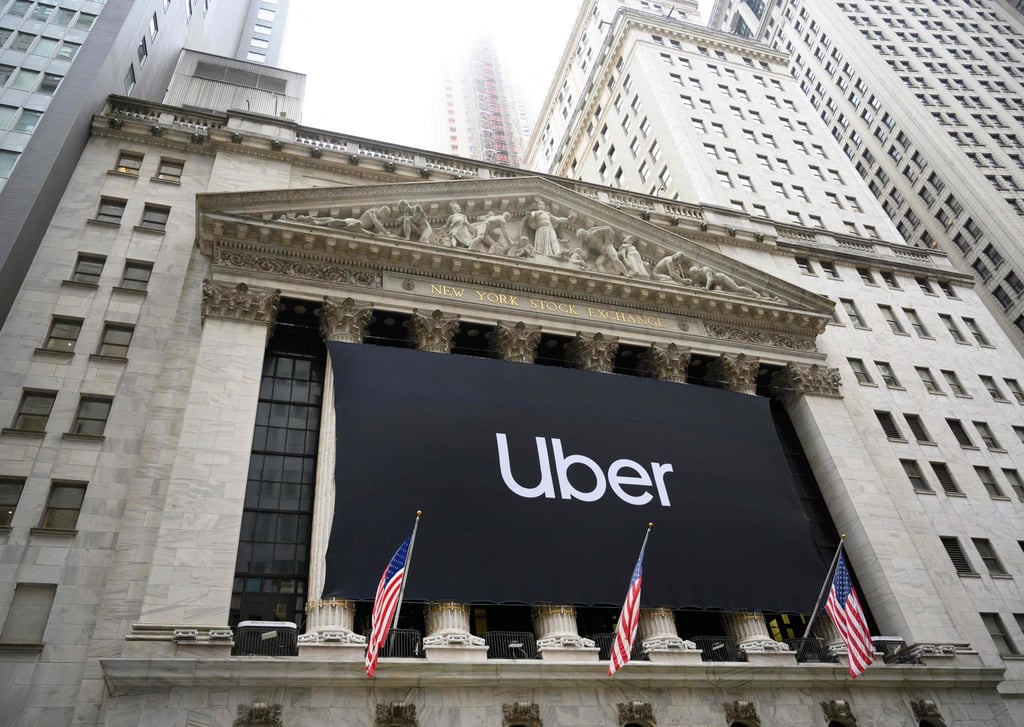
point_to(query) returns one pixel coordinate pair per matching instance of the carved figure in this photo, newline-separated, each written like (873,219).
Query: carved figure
(670,268)
(576,259)
(711,280)
(492,235)
(636,266)
(462,232)
(599,242)
(414,222)
(544,226)
(369,222)
(522,248)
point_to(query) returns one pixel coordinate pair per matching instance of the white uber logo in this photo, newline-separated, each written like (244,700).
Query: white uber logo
(622,474)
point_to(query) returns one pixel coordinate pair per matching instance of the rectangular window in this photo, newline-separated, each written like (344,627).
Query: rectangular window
(930,384)
(972,326)
(889,314)
(129,80)
(915,322)
(28,614)
(91,418)
(10,494)
(805,265)
(851,310)
(960,432)
(115,340)
(87,269)
(888,425)
(888,375)
(989,557)
(916,477)
(128,163)
(154,27)
(1016,483)
(985,432)
(49,84)
(63,334)
(34,411)
(992,388)
(154,217)
(994,625)
(110,210)
(954,331)
(890,279)
(955,385)
(866,276)
(957,556)
(1015,390)
(945,478)
(142,50)
(136,275)
(860,371)
(988,481)
(63,505)
(830,269)
(917,428)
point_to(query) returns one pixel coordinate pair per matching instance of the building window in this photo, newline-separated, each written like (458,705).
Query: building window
(915,322)
(110,210)
(994,625)
(136,275)
(127,163)
(860,371)
(972,326)
(87,269)
(888,425)
(888,375)
(63,505)
(851,310)
(992,388)
(866,276)
(988,481)
(985,432)
(170,170)
(129,80)
(889,314)
(91,418)
(10,493)
(830,269)
(154,217)
(142,50)
(955,385)
(956,554)
(930,384)
(34,411)
(989,557)
(805,265)
(1015,389)
(1016,483)
(28,614)
(951,326)
(916,477)
(154,26)
(890,279)
(63,334)
(945,478)
(115,340)
(960,432)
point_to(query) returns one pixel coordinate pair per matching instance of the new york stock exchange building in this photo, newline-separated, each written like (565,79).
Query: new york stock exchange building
(249,352)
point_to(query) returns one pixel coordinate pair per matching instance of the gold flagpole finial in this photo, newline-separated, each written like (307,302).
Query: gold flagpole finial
(419,513)
(650,525)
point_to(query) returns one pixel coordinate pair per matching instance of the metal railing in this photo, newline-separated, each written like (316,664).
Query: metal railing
(718,648)
(402,644)
(604,643)
(511,645)
(811,651)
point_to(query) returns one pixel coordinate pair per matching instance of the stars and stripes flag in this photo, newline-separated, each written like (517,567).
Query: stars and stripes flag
(388,600)
(629,619)
(843,607)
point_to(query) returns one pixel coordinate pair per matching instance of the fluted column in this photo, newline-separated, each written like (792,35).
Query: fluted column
(330,620)
(736,372)
(750,631)
(558,636)
(668,362)
(657,632)
(516,341)
(594,352)
(433,331)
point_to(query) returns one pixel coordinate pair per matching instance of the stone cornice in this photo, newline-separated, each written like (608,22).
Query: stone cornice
(125,675)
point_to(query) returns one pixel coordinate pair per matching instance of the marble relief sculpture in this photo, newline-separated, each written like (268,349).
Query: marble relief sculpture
(541,227)
(414,223)
(712,280)
(599,245)
(461,233)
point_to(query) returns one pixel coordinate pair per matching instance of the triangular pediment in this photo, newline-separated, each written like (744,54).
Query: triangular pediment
(526,233)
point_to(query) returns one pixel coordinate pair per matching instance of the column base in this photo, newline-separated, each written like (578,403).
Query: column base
(567,648)
(332,637)
(332,650)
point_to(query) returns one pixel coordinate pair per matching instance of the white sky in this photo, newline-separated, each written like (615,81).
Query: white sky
(376,68)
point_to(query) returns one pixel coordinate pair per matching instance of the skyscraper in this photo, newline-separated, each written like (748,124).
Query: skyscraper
(926,101)
(58,64)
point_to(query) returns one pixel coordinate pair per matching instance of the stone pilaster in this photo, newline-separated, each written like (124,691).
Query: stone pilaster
(516,341)
(660,639)
(736,372)
(558,637)
(239,302)
(794,381)
(434,331)
(329,621)
(594,352)
(750,631)
(668,362)
(447,625)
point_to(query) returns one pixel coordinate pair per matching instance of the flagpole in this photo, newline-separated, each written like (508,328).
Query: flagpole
(824,586)
(408,567)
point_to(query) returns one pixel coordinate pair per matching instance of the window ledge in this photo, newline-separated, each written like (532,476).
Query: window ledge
(970,447)
(969,575)
(862,328)
(27,647)
(133,291)
(83,437)
(23,432)
(926,338)
(149,230)
(901,333)
(53,352)
(937,393)
(56,532)
(77,284)
(103,223)
(956,494)
(175,182)
(1002,576)
(115,173)
(1004,498)
(111,359)
(896,388)
(997,450)
(964,396)
(898,439)
(925,492)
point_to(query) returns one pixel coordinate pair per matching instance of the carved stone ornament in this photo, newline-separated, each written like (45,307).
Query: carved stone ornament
(925,709)
(344,320)
(838,710)
(239,302)
(742,712)
(434,331)
(762,338)
(594,352)
(299,269)
(794,381)
(668,362)
(258,714)
(636,712)
(521,713)
(396,713)
(516,341)
(735,372)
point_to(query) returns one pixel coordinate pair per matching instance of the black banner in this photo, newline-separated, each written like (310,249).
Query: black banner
(537,485)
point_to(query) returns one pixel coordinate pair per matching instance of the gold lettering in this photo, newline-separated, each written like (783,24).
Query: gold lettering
(533,304)
(513,300)
(435,289)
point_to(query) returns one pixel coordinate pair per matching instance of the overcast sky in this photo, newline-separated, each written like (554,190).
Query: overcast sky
(376,68)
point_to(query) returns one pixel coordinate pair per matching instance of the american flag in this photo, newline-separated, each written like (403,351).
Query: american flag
(843,607)
(385,603)
(629,619)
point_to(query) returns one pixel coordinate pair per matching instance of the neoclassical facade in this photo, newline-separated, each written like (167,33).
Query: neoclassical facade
(202,451)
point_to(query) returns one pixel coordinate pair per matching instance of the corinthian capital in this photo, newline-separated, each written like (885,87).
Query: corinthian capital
(344,320)
(434,331)
(239,302)
(594,352)
(516,341)
(668,362)
(794,381)
(736,372)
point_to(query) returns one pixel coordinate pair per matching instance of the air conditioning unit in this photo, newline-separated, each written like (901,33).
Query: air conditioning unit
(267,638)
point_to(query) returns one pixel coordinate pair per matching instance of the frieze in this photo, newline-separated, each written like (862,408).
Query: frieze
(763,338)
(308,270)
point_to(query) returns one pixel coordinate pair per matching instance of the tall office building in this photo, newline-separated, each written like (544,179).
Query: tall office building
(58,63)
(484,118)
(926,101)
